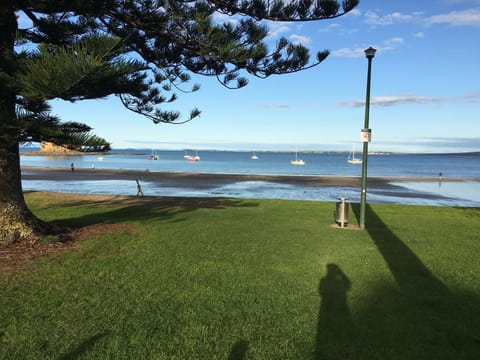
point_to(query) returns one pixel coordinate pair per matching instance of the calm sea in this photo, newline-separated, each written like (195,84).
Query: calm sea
(465,166)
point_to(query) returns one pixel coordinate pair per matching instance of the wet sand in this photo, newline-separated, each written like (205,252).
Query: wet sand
(206,181)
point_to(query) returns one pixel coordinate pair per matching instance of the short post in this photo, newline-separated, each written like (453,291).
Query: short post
(139,189)
(341,212)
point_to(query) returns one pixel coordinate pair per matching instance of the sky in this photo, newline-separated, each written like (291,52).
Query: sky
(425,90)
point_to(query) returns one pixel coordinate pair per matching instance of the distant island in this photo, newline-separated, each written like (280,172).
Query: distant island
(49,148)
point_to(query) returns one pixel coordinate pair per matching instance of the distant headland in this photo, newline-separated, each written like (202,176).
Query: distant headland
(48,148)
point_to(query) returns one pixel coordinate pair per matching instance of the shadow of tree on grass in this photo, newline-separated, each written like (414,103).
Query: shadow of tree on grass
(113,209)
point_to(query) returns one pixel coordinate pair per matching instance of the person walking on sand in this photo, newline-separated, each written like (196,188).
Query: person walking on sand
(139,189)
(72,167)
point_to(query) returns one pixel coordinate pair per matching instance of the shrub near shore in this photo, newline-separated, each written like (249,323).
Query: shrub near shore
(246,279)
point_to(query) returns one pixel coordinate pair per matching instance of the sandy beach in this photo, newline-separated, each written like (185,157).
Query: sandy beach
(205,181)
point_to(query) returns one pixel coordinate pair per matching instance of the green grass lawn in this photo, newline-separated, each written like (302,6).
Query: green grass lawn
(247,279)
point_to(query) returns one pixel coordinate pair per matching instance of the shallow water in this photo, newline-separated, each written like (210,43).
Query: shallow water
(442,193)
(276,163)
(418,193)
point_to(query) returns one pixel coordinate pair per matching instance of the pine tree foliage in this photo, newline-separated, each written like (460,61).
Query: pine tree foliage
(40,126)
(144,51)
(80,70)
(88,142)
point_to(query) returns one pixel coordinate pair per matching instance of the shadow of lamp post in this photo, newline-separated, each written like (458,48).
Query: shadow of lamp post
(366,137)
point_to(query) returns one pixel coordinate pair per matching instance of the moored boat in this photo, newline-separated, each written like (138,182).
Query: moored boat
(352,160)
(297,161)
(154,156)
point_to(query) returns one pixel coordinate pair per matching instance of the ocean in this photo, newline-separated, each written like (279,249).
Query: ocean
(463,166)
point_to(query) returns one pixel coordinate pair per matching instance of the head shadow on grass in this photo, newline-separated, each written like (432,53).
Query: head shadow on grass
(415,316)
(239,350)
(85,346)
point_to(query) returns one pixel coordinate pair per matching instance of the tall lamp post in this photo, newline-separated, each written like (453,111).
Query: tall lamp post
(366,137)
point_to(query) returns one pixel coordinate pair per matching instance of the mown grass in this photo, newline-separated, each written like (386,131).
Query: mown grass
(248,279)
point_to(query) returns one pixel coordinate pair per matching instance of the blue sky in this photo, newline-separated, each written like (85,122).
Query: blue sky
(425,90)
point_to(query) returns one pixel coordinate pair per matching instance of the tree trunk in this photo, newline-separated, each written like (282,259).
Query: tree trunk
(16,221)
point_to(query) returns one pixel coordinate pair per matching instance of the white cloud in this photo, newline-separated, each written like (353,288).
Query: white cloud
(401,99)
(469,17)
(394,41)
(276,29)
(354,12)
(273,106)
(329,27)
(472,98)
(419,35)
(373,18)
(457,18)
(348,53)
(412,99)
(458,142)
(388,45)
(300,39)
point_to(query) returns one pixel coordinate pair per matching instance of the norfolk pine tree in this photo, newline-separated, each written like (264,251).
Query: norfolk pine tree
(139,50)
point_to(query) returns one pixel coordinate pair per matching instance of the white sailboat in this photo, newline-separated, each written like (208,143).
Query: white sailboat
(297,161)
(191,158)
(352,160)
(154,156)
(254,156)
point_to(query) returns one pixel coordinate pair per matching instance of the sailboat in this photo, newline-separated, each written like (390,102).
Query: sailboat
(297,161)
(154,156)
(254,156)
(191,158)
(352,159)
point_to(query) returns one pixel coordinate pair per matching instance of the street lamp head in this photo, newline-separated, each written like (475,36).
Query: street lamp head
(370,52)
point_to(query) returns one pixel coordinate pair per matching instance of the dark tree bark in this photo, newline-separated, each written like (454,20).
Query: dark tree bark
(16,220)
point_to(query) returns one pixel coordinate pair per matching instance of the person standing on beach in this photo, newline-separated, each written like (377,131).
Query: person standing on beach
(139,189)
(72,167)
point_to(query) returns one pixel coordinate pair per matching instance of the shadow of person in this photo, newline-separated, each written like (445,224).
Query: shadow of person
(239,350)
(335,325)
(84,347)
